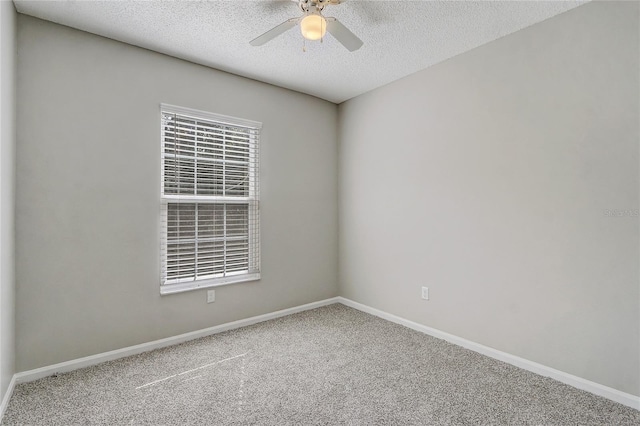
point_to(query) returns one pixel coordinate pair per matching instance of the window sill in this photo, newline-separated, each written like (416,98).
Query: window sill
(198,285)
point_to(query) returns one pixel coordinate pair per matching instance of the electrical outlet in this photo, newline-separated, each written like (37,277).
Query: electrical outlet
(425,293)
(211,296)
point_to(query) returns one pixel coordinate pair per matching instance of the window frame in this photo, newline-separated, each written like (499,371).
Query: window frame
(252,201)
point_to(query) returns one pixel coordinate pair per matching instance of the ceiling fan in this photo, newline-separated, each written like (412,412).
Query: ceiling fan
(313,25)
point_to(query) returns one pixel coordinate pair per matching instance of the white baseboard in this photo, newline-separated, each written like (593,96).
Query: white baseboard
(7,397)
(569,379)
(575,381)
(38,373)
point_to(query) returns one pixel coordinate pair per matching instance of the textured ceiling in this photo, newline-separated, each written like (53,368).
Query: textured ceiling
(400,37)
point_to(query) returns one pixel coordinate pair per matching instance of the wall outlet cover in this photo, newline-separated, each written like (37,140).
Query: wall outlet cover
(425,293)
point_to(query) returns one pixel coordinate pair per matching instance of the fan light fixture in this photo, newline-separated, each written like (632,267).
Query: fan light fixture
(313,26)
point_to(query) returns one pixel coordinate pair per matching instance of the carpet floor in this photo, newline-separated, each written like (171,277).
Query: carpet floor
(332,365)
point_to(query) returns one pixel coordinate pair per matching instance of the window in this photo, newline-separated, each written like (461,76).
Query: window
(210,207)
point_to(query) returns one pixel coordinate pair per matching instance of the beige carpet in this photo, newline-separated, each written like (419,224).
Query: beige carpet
(333,365)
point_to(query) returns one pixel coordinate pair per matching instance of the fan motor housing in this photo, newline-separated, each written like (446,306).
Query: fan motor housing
(308,6)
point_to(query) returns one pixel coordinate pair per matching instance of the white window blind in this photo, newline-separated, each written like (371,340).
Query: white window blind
(210,200)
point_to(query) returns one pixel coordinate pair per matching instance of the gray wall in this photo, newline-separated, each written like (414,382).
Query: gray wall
(88,183)
(486,178)
(7,196)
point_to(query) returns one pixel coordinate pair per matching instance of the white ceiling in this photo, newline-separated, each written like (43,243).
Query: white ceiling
(400,37)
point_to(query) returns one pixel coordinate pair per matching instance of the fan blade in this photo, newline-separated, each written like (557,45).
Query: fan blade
(343,35)
(274,32)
